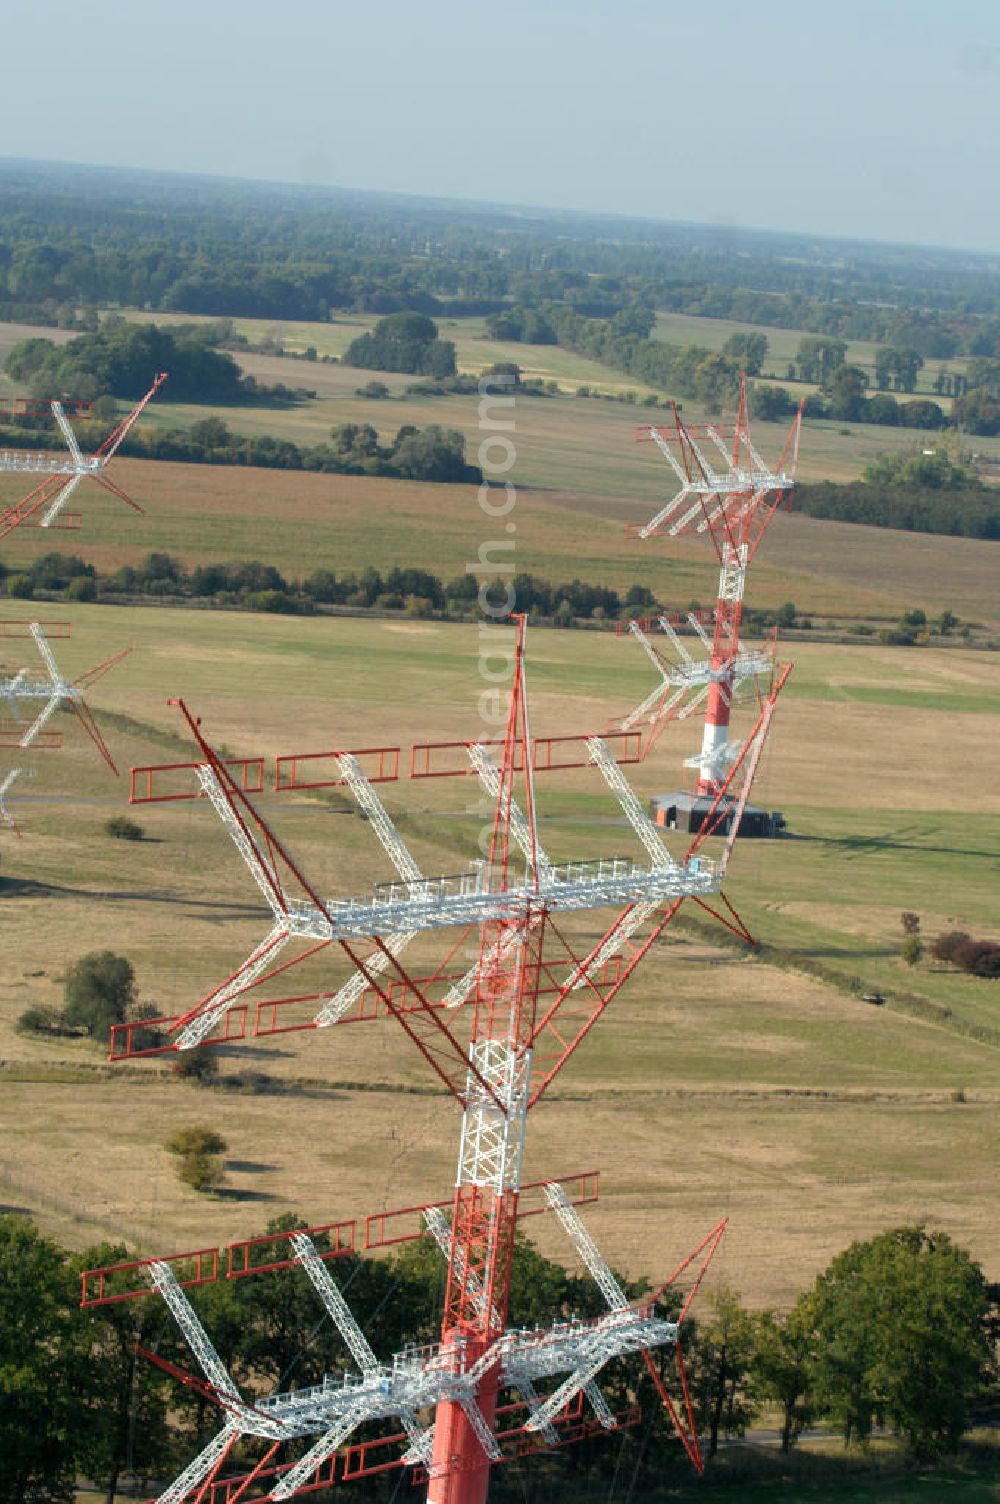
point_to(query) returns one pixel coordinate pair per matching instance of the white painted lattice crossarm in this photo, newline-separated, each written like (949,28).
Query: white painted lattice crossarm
(290,1482)
(6,781)
(379,818)
(45,651)
(59,501)
(199,1469)
(240,837)
(600,1406)
(668,455)
(673,505)
(720,443)
(579,1379)
(343,1319)
(675,642)
(631,807)
(337,1308)
(586,1247)
(48,659)
(163,1279)
(533,1400)
(648,704)
(41,720)
(489,776)
(710,479)
(70,437)
(262,956)
(623,931)
(698,629)
(484,1435)
(342,1001)
(6,784)
(647,647)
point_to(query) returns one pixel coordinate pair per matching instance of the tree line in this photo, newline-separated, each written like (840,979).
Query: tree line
(896,1333)
(122,360)
(262,587)
(428,454)
(922,492)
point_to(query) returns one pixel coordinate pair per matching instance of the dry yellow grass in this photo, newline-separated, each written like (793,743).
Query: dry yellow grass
(715,1085)
(300,521)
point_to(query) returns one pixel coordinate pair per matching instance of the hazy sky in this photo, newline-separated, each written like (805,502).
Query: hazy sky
(877,120)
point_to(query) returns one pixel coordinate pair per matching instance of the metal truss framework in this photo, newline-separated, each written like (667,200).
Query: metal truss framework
(416,1380)
(7,780)
(496,1036)
(44,505)
(733,502)
(51,692)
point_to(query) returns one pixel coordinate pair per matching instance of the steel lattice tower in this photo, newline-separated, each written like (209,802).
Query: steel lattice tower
(733,503)
(44,505)
(531,1001)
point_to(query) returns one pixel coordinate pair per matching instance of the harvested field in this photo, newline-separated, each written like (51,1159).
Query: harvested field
(717,1084)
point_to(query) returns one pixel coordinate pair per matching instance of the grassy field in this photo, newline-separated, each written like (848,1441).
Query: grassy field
(717,1084)
(563,443)
(298,521)
(720,1082)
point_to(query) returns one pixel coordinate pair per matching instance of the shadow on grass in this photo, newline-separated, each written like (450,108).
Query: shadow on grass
(234,1193)
(858,845)
(18,887)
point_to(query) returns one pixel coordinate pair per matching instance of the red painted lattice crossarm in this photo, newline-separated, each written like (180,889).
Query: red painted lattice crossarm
(272,1252)
(115,438)
(41,407)
(23,510)
(89,725)
(684,1424)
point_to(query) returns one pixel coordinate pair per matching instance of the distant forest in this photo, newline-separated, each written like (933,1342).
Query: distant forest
(75,241)
(79,238)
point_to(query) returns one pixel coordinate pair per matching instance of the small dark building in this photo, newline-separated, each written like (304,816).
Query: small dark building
(687,812)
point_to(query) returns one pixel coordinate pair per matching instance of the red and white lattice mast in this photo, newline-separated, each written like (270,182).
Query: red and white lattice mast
(44,505)
(50,693)
(496,1035)
(730,493)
